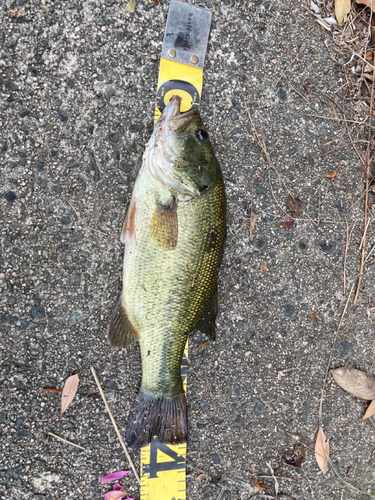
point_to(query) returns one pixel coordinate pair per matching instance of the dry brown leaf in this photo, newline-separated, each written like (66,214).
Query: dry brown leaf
(299,457)
(312,315)
(201,477)
(259,484)
(68,392)
(370,411)
(356,382)
(202,346)
(289,223)
(294,205)
(322,451)
(223,478)
(342,7)
(368,3)
(50,389)
(332,175)
(253,218)
(369,55)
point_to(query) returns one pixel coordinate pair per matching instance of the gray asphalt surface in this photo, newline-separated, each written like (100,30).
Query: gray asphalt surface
(78,82)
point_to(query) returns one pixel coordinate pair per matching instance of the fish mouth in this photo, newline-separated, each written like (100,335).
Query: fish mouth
(173,119)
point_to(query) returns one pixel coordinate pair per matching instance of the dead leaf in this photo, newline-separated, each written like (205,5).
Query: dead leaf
(155,2)
(253,218)
(299,458)
(342,7)
(68,392)
(348,469)
(50,389)
(263,267)
(294,205)
(259,484)
(368,3)
(312,315)
(356,382)
(332,175)
(202,346)
(16,13)
(322,451)
(370,411)
(201,477)
(223,478)
(369,55)
(289,223)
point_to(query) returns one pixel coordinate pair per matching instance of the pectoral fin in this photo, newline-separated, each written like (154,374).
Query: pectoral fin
(129,223)
(120,331)
(207,323)
(164,224)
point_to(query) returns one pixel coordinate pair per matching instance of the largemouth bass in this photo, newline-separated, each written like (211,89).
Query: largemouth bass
(174,234)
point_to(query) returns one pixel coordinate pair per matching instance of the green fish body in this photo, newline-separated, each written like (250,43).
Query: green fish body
(174,235)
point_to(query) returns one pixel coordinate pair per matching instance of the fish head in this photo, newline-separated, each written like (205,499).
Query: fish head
(180,152)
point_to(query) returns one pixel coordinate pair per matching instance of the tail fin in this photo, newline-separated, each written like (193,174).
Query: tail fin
(165,418)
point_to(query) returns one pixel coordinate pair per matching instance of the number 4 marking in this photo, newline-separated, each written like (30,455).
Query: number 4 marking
(154,466)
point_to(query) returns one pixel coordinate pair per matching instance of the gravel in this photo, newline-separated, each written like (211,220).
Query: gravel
(77,92)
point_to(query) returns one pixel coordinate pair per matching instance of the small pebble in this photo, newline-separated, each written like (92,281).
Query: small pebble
(10,196)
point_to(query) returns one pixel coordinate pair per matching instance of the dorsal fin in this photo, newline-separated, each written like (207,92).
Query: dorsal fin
(121,332)
(164,224)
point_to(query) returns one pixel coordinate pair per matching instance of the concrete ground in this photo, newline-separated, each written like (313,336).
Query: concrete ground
(78,81)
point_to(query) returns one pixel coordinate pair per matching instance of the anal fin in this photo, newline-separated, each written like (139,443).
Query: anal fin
(121,332)
(207,323)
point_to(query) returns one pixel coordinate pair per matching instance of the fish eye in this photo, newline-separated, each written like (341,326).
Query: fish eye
(202,135)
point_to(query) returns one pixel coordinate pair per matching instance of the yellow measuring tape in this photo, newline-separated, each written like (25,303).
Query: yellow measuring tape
(163,466)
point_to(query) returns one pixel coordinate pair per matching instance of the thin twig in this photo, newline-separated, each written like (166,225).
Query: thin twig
(88,227)
(261,496)
(281,477)
(114,424)
(367,189)
(299,53)
(358,55)
(348,237)
(370,252)
(362,195)
(220,495)
(330,358)
(337,119)
(335,149)
(354,146)
(66,441)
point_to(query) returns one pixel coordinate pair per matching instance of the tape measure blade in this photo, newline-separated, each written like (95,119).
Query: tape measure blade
(163,467)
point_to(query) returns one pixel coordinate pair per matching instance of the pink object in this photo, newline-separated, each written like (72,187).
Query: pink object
(114,476)
(114,495)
